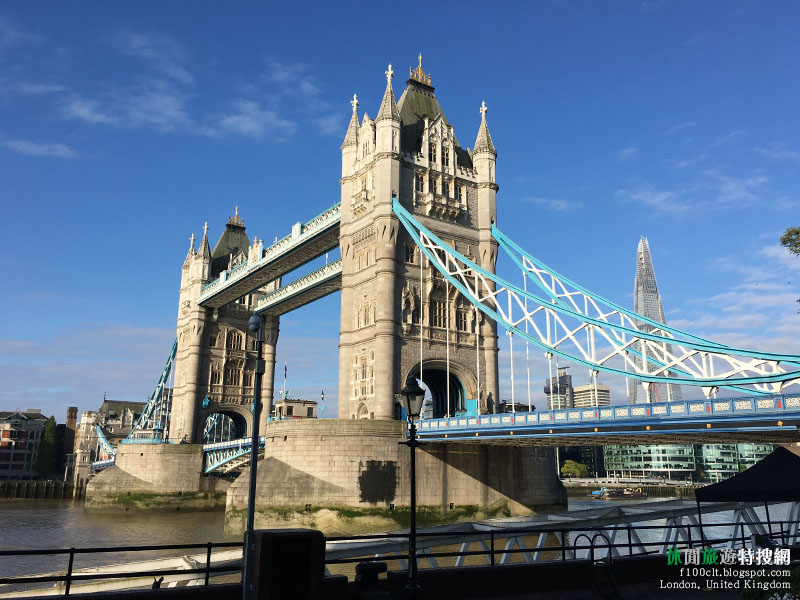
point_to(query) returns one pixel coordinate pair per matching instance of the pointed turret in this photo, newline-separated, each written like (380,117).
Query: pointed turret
(388,109)
(484,141)
(190,254)
(351,137)
(204,251)
(387,124)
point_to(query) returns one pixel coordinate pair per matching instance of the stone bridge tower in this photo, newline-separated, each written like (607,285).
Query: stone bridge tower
(215,360)
(399,316)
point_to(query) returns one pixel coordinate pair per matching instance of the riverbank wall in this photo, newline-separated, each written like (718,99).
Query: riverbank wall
(41,490)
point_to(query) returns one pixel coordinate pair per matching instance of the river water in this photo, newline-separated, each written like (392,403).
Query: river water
(51,524)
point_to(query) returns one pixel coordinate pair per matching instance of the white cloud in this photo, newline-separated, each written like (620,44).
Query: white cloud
(331,124)
(292,78)
(87,110)
(164,53)
(778,152)
(12,33)
(680,127)
(661,200)
(739,191)
(553,204)
(726,140)
(627,153)
(249,119)
(778,253)
(29,148)
(74,367)
(38,89)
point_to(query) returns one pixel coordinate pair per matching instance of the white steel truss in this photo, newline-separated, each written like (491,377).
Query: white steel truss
(571,322)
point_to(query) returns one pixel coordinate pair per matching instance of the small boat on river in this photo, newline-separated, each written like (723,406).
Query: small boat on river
(605,493)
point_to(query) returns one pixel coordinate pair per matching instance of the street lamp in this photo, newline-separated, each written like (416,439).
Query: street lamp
(322,404)
(413,396)
(256,326)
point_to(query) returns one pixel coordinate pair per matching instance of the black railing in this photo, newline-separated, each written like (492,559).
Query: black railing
(69,577)
(564,550)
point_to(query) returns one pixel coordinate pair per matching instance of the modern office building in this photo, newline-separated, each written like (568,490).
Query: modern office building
(647,302)
(584,396)
(558,390)
(671,461)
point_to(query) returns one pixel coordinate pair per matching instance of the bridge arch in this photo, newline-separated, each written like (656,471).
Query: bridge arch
(435,374)
(225,422)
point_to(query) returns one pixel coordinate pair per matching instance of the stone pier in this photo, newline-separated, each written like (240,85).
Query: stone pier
(350,476)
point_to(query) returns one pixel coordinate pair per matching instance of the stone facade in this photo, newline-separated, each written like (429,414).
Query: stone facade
(155,476)
(399,317)
(359,465)
(215,360)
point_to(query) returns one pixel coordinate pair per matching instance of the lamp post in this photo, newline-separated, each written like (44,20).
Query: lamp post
(413,396)
(256,326)
(322,404)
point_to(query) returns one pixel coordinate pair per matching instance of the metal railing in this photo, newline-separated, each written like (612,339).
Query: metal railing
(496,547)
(71,576)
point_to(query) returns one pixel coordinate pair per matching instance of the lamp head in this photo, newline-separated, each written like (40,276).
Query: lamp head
(256,323)
(413,396)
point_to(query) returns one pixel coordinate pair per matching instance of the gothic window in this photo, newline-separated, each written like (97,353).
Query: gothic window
(461,320)
(411,254)
(438,315)
(234,340)
(364,376)
(215,377)
(432,151)
(212,340)
(459,193)
(232,376)
(248,379)
(419,183)
(371,378)
(445,189)
(445,157)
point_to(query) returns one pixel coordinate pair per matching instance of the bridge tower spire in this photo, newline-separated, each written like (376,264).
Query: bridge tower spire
(392,298)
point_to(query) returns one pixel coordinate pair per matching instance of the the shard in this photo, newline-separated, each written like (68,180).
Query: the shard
(647,302)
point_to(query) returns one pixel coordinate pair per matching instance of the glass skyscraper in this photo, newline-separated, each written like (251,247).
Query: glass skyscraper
(647,302)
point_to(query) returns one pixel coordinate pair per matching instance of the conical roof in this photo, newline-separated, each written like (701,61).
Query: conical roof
(351,137)
(484,139)
(388,109)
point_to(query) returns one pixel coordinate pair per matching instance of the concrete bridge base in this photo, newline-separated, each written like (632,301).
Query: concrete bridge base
(352,476)
(165,477)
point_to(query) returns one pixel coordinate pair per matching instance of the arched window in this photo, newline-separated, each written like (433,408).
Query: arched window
(234,340)
(419,183)
(445,156)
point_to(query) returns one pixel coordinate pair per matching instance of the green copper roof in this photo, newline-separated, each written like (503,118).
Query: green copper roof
(233,240)
(416,103)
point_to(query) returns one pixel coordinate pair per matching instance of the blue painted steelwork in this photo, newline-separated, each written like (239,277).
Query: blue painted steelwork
(154,416)
(694,365)
(228,456)
(740,415)
(301,286)
(323,222)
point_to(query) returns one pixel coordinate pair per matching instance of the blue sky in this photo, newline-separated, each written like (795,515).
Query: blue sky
(125,126)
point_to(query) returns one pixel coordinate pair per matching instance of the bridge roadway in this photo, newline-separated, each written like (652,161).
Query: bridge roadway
(305,243)
(773,419)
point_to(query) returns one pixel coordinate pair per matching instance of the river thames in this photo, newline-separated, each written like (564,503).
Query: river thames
(54,524)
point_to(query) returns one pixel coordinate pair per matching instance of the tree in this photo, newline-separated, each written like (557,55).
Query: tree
(46,458)
(574,469)
(791,241)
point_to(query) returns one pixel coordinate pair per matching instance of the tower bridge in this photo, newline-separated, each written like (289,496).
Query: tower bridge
(418,236)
